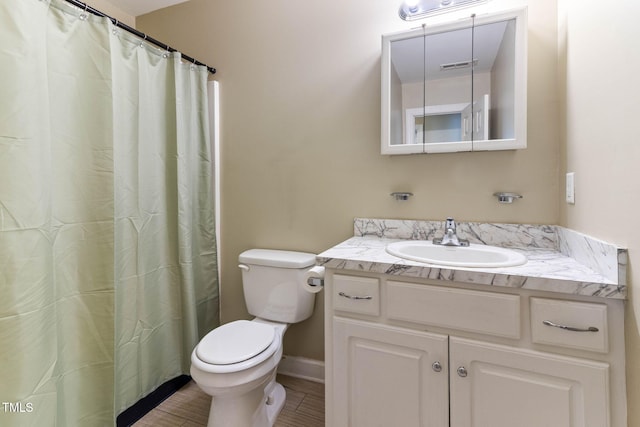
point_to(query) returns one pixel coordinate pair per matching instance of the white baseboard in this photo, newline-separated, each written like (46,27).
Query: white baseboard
(301,367)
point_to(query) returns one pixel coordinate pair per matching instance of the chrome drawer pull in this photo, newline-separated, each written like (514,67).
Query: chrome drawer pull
(342,294)
(569,328)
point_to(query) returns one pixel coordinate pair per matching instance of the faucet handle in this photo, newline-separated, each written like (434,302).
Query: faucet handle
(450,224)
(450,238)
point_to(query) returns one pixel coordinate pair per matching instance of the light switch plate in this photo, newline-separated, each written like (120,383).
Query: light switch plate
(570,188)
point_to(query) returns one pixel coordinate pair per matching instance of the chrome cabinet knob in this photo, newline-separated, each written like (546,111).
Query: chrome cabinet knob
(462,371)
(436,366)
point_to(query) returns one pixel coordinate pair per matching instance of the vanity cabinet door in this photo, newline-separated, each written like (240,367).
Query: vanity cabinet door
(499,386)
(387,376)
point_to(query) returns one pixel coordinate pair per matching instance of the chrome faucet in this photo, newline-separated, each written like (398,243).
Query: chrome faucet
(450,238)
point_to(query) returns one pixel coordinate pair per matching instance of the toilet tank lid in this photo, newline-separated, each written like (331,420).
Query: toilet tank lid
(277,258)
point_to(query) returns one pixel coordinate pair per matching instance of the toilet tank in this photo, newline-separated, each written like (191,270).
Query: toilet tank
(273,284)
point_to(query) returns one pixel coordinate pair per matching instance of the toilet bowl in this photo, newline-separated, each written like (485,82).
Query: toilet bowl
(236,363)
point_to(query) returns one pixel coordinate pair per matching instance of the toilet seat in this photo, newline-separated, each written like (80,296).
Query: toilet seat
(237,346)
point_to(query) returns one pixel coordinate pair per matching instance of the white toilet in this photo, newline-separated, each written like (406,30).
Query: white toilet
(236,363)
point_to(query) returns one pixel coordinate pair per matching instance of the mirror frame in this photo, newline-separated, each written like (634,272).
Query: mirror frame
(520,90)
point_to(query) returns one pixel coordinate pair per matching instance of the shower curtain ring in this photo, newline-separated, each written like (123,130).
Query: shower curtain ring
(83,16)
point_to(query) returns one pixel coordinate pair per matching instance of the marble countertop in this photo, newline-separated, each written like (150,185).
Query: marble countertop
(547,269)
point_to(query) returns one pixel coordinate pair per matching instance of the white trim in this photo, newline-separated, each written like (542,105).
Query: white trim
(432,110)
(213,93)
(301,367)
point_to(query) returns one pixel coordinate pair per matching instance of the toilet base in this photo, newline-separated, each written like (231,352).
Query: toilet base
(258,408)
(275,402)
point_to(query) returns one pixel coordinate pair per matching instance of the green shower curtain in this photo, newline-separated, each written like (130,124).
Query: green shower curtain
(108,273)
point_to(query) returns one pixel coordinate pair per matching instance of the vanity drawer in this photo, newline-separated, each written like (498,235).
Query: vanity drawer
(356,294)
(484,312)
(585,318)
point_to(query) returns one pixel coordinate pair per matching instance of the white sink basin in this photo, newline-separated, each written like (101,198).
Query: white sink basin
(456,256)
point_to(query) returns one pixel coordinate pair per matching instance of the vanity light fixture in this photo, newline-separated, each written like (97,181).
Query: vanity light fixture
(417,9)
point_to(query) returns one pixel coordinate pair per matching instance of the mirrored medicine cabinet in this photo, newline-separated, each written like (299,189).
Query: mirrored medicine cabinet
(456,86)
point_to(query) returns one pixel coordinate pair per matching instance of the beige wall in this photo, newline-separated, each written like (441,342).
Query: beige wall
(600,59)
(300,129)
(109,9)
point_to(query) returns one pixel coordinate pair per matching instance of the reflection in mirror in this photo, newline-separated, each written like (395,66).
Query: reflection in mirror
(440,123)
(455,87)
(495,45)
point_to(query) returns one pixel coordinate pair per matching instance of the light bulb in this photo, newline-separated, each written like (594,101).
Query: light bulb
(412,5)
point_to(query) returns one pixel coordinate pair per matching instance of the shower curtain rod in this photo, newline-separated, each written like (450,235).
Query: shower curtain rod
(142,35)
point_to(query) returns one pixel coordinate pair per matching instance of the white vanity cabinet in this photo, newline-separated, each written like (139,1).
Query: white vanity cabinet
(500,386)
(386,376)
(417,352)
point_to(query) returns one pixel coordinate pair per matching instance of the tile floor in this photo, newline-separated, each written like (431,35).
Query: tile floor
(189,406)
